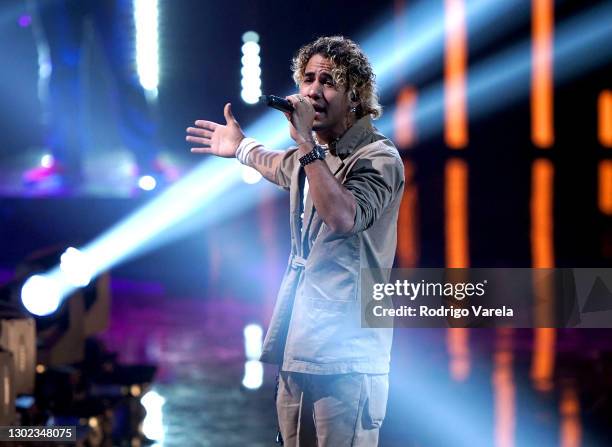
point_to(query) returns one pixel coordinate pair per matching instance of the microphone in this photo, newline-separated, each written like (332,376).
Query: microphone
(276,102)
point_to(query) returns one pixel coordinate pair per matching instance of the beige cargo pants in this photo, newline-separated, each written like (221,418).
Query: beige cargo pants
(343,410)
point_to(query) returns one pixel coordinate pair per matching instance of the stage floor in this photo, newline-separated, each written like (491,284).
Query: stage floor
(440,395)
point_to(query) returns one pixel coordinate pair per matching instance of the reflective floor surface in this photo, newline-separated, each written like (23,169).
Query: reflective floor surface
(460,388)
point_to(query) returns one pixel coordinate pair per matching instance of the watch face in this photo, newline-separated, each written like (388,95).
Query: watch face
(317,153)
(320,152)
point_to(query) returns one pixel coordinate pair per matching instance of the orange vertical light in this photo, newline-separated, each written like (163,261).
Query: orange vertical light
(457,255)
(407,240)
(504,390)
(458,346)
(605,187)
(456,210)
(542,128)
(542,249)
(605,118)
(571,428)
(543,361)
(455,63)
(403,118)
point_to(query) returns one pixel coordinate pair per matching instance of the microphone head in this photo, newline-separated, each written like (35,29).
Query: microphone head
(276,102)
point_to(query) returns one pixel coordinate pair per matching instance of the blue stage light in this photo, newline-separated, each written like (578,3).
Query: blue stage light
(146,18)
(152,425)
(147,183)
(41,295)
(251,70)
(76,268)
(253,374)
(421,27)
(253,341)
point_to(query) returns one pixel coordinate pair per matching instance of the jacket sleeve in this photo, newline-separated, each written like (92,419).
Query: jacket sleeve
(374,180)
(281,164)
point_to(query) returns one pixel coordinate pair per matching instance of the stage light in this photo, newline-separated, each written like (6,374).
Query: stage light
(147,183)
(253,368)
(135,390)
(253,374)
(250,175)
(41,295)
(250,36)
(152,426)
(146,14)
(253,334)
(249,98)
(423,28)
(47,160)
(251,83)
(504,78)
(45,68)
(251,71)
(76,267)
(24,401)
(250,48)
(25,20)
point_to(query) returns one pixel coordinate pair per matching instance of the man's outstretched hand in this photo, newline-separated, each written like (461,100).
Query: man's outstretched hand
(217,139)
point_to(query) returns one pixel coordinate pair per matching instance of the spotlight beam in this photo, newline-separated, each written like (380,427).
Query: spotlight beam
(427,395)
(207,183)
(423,40)
(504,78)
(200,188)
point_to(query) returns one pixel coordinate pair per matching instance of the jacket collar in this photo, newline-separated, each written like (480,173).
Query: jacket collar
(352,138)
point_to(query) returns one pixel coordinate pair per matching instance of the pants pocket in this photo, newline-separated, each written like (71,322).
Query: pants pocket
(376,403)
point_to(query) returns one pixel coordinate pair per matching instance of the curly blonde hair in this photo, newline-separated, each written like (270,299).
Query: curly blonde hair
(351,69)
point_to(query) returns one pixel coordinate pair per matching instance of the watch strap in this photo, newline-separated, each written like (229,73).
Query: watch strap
(317,153)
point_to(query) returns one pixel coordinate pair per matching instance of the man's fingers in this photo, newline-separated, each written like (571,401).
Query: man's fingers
(299,102)
(292,99)
(198,140)
(227,112)
(201,136)
(210,125)
(196,131)
(201,150)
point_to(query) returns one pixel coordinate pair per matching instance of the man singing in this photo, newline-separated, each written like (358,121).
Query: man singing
(345,182)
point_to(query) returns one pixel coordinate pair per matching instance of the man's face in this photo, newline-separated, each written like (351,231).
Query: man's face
(330,101)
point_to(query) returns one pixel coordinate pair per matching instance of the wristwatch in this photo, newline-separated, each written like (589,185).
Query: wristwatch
(317,153)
